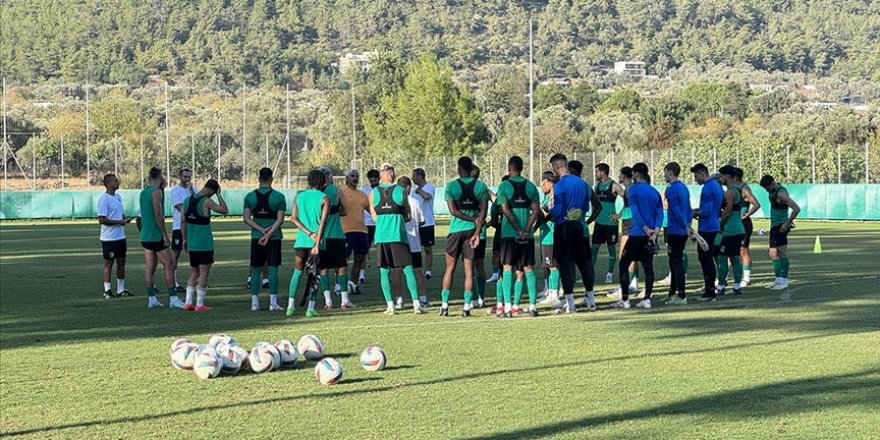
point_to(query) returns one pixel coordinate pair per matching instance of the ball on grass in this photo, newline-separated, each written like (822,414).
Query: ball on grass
(328,371)
(373,359)
(311,347)
(289,353)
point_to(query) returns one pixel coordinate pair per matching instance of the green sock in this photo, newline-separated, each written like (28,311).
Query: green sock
(294,283)
(723,268)
(499,288)
(507,284)
(255,280)
(172,292)
(325,282)
(747,267)
(273,280)
(737,268)
(481,287)
(385,281)
(343,282)
(595,251)
(410,276)
(532,286)
(784,267)
(151,291)
(517,292)
(468,297)
(554,280)
(777,268)
(444,296)
(633,275)
(685,263)
(612,258)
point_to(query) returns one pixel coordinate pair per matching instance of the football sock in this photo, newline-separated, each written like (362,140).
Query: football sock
(612,258)
(554,280)
(480,286)
(294,283)
(107,286)
(517,292)
(468,297)
(499,288)
(410,275)
(190,292)
(255,275)
(532,286)
(777,268)
(172,293)
(151,291)
(506,286)
(723,269)
(385,282)
(343,290)
(737,269)
(200,295)
(273,299)
(685,257)
(273,280)
(594,250)
(784,268)
(120,285)
(444,298)
(290,304)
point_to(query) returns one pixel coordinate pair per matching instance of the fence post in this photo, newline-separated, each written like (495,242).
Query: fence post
(652,163)
(788,162)
(116,155)
(218,157)
(88,144)
(693,162)
(813,165)
(34,156)
(444,169)
(62,161)
(839,171)
(761,162)
(142,161)
(192,151)
(867,158)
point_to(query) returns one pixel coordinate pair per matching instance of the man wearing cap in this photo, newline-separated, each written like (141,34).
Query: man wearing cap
(355,203)
(369,221)
(332,256)
(263,211)
(424,193)
(709,225)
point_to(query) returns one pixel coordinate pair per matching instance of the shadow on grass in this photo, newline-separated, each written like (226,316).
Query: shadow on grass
(782,397)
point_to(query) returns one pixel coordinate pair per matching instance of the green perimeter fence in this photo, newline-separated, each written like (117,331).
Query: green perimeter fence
(819,202)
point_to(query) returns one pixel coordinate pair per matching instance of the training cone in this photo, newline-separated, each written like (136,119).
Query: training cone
(817,248)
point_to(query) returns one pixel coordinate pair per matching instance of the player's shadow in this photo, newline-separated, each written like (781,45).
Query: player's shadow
(399,367)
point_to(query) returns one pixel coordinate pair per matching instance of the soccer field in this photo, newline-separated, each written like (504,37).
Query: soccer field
(73,365)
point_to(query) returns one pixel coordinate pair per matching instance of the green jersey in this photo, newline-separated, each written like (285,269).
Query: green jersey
(745,203)
(605,192)
(778,211)
(626,213)
(734,224)
(198,224)
(547,226)
(265,204)
(518,194)
(389,203)
(308,205)
(149,229)
(466,193)
(333,229)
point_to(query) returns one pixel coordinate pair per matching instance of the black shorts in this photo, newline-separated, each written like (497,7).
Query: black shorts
(747,239)
(392,255)
(426,235)
(199,258)
(480,250)
(777,237)
(176,240)
(302,253)
(155,246)
(114,250)
(605,234)
(547,257)
(496,243)
(357,243)
(371,234)
(333,254)
(458,245)
(416,258)
(518,255)
(730,245)
(269,254)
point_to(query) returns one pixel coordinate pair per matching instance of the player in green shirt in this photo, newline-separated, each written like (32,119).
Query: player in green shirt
(494,220)
(309,214)
(520,207)
(334,255)
(750,206)
(466,199)
(480,255)
(154,240)
(547,226)
(781,222)
(732,232)
(606,230)
(390,207)
(198,240)
(264,210)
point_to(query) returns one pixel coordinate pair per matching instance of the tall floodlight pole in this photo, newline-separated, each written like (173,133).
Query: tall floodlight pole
(4,136)
(243,128)
(531,105)
(167,134)
(88,142)
(62,160)
(353,129)
(287,134)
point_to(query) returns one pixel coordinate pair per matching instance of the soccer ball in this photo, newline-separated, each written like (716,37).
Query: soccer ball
(761,232)
(328,371)
(311,347)
(289,353)
(184,356)
(373,359)
(244,354)
(205,347)
(262,358)
(231,359)
(208,364)
(219,339)
(276,355)
(178,343)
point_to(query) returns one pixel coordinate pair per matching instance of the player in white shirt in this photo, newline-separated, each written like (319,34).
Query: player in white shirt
(369,221)
(113,244)
(417,219)
(424,193)
(179,193)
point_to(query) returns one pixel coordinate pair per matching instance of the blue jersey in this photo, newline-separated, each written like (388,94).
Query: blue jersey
(710,206)
(679,213)
(647,208)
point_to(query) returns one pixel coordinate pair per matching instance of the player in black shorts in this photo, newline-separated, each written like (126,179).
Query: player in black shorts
(750,205)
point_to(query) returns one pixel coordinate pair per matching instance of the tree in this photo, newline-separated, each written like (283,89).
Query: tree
(621,100)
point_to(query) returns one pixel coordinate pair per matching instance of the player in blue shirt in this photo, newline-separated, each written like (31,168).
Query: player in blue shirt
(678,229)
(709,215)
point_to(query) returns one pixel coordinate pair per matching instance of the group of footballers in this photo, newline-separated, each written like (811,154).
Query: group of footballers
(395,216)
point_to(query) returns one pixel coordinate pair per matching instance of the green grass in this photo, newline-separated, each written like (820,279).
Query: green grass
(73,365)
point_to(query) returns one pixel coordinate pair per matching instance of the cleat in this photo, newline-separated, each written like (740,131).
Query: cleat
(493,310)
(533,313)
(675,301)
(425,304)
(506,315)
(124,294)
(444,311)
(255,307)
(275,308)
(352,287)
(419,311)
(516,311)
(202,308)
(779,286)
(389,311)
(737,291)
(466,313)
(609,278)
(480,303)
(590,304)
(289,312)
(247,284)
(337,290)
(398,306)
(312,314)
(552,298)
(614,294)
(665,281)
(189,307)
(493,278)
(154,303)
(180,289)
(720,290)
(745,282)
(265,284)
(621,304)
(708,297)
(347,306)
(362,280)
(175,303)
(644,304)
(328,306)
(108,294)
(428,275)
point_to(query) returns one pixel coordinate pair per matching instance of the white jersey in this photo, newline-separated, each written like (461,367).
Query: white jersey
(412,226)
(178,195)
(110,206)
(427,205)
(368,217)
